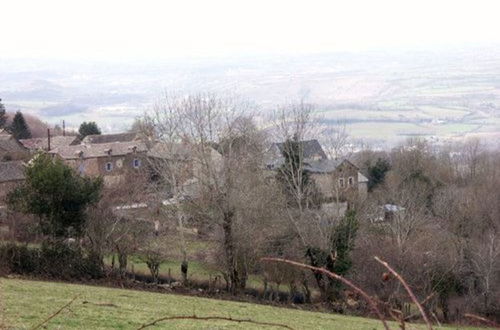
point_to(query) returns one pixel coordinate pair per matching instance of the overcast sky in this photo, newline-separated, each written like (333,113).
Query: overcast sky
(145,28)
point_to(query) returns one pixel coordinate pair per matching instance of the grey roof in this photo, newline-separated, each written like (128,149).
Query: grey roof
(108,138)
(11,171)
(9,144)
(310,148)
(322,166)
(362,178)
(100,150)
(169,150)
(55,142)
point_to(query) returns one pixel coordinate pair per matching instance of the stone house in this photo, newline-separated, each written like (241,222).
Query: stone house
(115,162)
(11,175)
(338,180)
(184,160)
(10,148)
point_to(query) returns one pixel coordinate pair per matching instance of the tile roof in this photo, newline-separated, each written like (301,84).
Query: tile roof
(11,171)
(55,142)
(310,148)
(169,150)
(9,144)
(108,138)
(322,166)
(100,150)
(362,178)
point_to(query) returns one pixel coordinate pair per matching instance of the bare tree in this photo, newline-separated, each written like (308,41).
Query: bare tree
(224,159)
(338,143)
(111,227)
(326,237)
(170,160)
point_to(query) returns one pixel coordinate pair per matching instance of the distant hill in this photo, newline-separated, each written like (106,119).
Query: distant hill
(380,96)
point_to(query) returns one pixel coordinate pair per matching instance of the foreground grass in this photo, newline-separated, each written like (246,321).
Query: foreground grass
(27,303)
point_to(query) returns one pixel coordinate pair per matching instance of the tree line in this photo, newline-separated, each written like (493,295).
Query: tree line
(432,211)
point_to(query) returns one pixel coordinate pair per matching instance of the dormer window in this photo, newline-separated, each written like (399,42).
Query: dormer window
(136,163)
(109,167)
(107,151)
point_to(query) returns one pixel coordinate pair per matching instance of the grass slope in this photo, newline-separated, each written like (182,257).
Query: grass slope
(26,303)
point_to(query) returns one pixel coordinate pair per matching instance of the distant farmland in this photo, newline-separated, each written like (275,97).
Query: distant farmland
(381,97)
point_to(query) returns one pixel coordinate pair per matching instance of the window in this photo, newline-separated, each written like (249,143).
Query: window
(341,183)
(136,163)
(351,181)
(109,167)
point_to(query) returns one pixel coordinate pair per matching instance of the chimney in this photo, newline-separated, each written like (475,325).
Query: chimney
(48,139)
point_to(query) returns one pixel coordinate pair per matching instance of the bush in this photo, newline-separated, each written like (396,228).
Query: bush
(18,259)
(56,260)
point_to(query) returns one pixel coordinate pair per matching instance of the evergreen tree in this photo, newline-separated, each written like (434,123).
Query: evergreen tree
(337,258)
(89,128)
(19,128)
(377,173)
(57,195)
(3,115)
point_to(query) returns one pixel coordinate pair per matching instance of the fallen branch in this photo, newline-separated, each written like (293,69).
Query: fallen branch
(482,319)
(213,318)
(408,289)
(38,326)
(367,297)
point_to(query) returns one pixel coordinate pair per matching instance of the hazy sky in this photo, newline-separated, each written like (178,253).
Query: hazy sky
(109,28)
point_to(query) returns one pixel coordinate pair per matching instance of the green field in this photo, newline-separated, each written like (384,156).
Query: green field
(27,303)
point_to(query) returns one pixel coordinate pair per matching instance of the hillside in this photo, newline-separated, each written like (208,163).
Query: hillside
(27,303)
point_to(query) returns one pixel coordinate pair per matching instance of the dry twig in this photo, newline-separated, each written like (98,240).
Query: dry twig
(38,326)
(408,289)
(367,297)
(212,318)
(482,319)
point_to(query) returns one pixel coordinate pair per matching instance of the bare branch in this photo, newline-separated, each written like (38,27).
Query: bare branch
(213,318)
(408,289)
(367,297)
(38,326)
(482,319)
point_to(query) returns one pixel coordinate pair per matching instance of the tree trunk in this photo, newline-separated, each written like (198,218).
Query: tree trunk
(122,262)
(184,271)
(229,249)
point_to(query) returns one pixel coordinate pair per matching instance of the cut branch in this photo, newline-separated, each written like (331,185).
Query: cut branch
(482,319)
(367,297)
(408,289)
(38,326)
(213,318)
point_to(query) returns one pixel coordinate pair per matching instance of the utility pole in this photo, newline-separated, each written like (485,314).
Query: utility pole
(64,128)
(48,139)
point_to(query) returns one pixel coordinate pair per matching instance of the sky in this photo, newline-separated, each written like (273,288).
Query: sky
(178,28)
